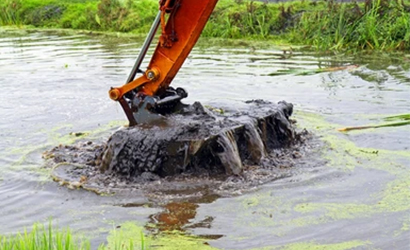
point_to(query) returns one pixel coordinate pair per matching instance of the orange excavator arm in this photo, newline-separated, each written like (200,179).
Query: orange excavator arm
(182,22)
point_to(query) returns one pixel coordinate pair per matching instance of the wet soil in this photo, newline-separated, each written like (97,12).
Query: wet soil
(192,154)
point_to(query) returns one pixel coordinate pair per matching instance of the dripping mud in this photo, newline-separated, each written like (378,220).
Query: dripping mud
(193,155)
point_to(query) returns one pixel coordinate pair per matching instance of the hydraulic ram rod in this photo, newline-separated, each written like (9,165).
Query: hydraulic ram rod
(145,48)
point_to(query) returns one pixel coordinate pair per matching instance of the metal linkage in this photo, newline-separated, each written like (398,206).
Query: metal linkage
(145,48)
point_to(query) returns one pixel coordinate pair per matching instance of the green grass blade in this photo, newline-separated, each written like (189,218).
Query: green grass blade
(405,117)
(395,124)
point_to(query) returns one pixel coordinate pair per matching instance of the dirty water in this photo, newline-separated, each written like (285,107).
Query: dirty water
(352,193)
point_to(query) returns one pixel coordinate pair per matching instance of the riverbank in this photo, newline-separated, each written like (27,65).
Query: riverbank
(325,25)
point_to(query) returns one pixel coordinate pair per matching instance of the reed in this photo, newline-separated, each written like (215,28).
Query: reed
(377,24)
(10,13)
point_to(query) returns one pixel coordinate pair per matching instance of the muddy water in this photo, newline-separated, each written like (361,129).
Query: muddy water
(354,193)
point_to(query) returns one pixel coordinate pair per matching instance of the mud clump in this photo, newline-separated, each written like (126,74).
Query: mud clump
(190,153)
(198,141)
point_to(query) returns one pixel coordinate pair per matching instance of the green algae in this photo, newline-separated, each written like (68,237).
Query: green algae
(318,246)
(251,201)
(405,227)
(130,233)
(396,198)
(61,135)
(65,135)
(26,156)
(345,154)
(263,210)
(179,241)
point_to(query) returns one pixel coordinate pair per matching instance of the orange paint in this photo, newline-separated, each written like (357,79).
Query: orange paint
(180,32)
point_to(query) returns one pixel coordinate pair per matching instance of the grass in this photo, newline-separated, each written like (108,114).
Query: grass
(376,24)
(327,25)
(46,238)
(42,237)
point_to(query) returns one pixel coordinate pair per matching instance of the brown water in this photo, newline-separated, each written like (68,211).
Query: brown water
(55,84)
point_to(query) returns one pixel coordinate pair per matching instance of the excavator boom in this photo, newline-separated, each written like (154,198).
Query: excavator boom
(182,22)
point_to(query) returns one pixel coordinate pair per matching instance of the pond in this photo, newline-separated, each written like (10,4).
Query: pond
(355,194)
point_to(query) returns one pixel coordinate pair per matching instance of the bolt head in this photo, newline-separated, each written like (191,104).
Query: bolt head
(150,75)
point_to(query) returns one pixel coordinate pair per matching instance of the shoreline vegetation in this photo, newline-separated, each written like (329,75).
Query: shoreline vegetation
(324,25)
(48,237)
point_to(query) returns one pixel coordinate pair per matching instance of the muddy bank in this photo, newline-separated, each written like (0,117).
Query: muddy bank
(195,153)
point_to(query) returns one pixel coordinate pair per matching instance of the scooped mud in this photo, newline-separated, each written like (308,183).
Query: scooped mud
(194,153)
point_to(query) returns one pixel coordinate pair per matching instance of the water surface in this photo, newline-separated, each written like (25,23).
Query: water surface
(54,84)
